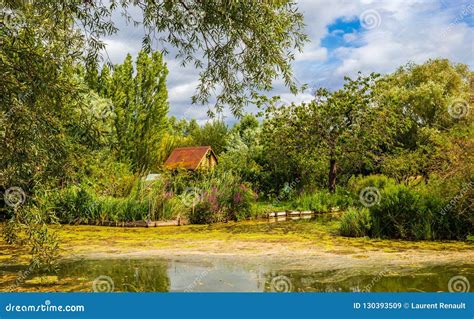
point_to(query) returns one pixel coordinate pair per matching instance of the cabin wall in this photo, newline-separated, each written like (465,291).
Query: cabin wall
(209,162)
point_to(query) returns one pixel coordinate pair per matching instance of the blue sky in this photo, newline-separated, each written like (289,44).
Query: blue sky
(346,37)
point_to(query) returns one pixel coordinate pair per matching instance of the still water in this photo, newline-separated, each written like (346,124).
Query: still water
(227,275)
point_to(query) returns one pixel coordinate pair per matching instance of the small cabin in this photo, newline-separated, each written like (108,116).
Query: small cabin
(191,158)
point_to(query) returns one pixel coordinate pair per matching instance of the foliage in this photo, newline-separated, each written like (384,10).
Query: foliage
(399,215)
(356,223)
(410,213)
(222,197)
(204,34)
(455,217)
(357,183)
(323,201)
(48,122)
(424,98)
(335,126)
(212,134)
(146,201)
(244,153)
(28,228)
(140,107)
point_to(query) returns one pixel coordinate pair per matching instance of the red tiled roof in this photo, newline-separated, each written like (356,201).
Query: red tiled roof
(187,157)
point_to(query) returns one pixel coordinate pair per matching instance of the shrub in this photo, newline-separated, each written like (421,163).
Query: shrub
(452,205)
(240,203)
(222,197)
(423,213)
(356,223)
(313,201)
(401,214)
(359,183)
(206,210)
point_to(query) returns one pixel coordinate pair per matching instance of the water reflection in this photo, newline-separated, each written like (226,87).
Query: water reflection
(200,275)
(130,275)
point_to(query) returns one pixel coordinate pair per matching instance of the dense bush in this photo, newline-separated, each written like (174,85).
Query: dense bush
(222,197)
(357,183)
(356,223)
(207,209)
(439,209)
(453,204)
(79,205)
(401,214)
(418,213)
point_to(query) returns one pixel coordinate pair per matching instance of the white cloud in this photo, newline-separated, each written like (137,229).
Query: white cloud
(117,49)
(409,30)
(182,92)
(314,54)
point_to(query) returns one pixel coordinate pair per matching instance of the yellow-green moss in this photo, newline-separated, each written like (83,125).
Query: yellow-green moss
(250,236)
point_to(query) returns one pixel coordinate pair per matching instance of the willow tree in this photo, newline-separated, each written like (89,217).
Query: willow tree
(433,100)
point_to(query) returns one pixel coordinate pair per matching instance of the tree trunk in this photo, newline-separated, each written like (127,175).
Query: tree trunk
(332,175)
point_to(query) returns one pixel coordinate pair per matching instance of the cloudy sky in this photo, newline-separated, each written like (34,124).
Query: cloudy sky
(346,37)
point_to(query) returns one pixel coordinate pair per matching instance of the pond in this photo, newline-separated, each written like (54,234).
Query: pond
(230,275)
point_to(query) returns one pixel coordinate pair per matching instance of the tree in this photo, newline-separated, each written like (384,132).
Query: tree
(334,127)
(431,100)
(140,108)
(48,127)
(243,153)
(213,134)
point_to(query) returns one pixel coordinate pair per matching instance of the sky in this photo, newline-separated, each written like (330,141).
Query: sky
(346,36)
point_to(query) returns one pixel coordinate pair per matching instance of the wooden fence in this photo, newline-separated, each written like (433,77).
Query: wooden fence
(291,215)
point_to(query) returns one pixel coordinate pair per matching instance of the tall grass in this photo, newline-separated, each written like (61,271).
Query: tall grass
(323,201)
(428,211)
(146,201)
(356,223)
